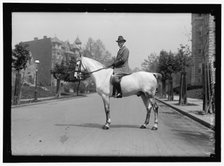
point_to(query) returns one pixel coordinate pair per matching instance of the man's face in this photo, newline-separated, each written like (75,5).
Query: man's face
(120,44)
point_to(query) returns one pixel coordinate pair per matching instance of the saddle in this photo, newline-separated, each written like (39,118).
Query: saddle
(120,76)
(115,81)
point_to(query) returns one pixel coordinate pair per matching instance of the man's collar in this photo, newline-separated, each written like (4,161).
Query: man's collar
(122,46)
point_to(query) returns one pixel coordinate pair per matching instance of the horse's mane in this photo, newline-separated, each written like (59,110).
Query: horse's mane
(95,62)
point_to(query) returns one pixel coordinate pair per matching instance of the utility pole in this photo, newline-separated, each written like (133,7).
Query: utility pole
(35,92)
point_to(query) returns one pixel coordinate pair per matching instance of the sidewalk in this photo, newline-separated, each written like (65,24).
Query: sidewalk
(41,100)
(192,110)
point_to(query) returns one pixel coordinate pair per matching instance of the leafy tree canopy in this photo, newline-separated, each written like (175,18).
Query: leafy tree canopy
(97,51)
(151,63)
(20,56)
(59,71)
(167,64)
(183,58)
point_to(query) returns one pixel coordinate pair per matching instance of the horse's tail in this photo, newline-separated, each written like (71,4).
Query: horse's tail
(158,76)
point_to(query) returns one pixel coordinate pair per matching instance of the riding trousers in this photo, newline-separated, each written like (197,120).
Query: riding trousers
(116,79)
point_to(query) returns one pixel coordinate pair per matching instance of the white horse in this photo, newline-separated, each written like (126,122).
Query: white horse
(140,83)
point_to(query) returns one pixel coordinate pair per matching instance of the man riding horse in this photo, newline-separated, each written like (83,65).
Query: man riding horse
(140,83)
(120,67)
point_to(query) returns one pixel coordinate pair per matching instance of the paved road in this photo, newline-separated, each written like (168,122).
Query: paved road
(73,127)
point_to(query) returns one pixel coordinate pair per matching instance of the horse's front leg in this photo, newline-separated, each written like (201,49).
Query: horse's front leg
(106,101)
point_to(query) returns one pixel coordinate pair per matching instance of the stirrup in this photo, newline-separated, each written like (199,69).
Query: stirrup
(118,95)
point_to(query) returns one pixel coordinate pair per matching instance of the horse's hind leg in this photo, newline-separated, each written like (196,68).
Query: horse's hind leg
(106,101)
(155,108)
(148,106)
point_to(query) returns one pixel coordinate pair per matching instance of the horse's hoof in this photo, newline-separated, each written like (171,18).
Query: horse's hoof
(105,127)
(154,128)
(142,127)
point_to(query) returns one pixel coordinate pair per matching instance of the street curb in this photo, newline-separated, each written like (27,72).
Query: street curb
(208,125)
(44,101)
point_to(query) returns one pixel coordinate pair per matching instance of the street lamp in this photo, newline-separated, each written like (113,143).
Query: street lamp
(35,92)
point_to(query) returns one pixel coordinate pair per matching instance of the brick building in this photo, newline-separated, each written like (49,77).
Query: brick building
(41,49)
(49,51)
(203,46)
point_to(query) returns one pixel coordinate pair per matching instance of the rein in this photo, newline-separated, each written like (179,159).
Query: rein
(85,70)
(98,70)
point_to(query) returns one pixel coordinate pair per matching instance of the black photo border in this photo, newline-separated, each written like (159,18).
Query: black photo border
(9,8)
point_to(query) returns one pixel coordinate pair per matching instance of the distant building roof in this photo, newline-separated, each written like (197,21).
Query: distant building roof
(65,45)
(69,52)
(56,40)
(77,41)
(74,46)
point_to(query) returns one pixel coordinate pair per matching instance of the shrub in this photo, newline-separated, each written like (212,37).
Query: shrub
(189,87)
(28,92)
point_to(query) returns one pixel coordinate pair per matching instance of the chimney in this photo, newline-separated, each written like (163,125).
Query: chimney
(36,38)
(45,37)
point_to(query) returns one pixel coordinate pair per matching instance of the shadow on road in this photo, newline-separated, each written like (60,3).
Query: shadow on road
(89,125)
(124,126)
(96,125)
(195,137)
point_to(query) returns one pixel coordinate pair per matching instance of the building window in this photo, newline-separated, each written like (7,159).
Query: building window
(200,68)
(200,33)
(30,79)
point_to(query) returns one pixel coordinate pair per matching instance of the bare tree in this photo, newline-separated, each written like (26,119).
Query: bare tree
(167,66)
(20,57)
(183,59)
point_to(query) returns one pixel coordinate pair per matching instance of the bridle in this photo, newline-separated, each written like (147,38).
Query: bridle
(85,72)
(79,71)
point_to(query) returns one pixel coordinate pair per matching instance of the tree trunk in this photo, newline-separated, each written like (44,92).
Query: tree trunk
(212,88)
(183,89)
(205,89)
(77,90)
(170,89)
(17,90)
(207,96)
(163,88)
(58,89)
(160,90)
(212,84)
(209,89)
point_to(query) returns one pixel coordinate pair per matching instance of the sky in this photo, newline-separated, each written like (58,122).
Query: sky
(145,33)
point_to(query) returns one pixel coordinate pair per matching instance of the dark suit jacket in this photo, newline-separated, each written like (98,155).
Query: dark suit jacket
(121,61)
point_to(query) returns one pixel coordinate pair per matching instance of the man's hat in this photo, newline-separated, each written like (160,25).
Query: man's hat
(120,39)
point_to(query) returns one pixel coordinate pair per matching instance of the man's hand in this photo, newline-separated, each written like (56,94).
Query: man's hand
(111,65)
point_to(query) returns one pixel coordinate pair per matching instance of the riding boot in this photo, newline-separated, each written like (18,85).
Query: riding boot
(114,91)
(119,93)
(118,90)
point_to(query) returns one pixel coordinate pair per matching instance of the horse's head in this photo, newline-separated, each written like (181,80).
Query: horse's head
(86,66)
(79,69)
